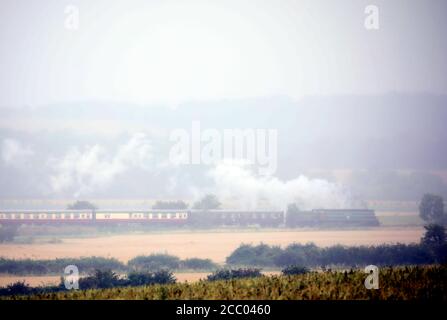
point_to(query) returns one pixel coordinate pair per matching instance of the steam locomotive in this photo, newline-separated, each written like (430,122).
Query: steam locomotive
(196,218)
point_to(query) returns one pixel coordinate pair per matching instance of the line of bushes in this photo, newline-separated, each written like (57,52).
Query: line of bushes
(108,279)
(166,261)
(52,266)
(87,265)
(311,256)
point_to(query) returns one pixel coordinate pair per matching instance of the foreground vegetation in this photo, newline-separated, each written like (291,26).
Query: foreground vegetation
(424,283)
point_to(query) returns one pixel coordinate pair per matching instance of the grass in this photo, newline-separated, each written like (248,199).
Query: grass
(400,283)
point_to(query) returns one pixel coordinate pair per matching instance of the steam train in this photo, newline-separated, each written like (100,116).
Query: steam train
(196,218)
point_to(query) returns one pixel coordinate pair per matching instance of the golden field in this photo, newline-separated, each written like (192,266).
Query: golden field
(215,245)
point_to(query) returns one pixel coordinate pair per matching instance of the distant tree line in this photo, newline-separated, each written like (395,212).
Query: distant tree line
(170,205)
(207,202)
(82,205)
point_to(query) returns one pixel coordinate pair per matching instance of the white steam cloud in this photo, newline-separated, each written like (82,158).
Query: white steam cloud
(236,185)
(14,153)
(94,168)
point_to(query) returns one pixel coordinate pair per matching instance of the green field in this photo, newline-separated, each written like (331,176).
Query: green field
(400,283)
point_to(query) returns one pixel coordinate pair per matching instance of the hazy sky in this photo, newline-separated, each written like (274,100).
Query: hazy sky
(175,51)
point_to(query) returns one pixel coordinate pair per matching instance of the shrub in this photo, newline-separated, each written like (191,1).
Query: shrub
(108,279)
(196,263)
(294,270)
(150,278)
(228,274)
(249,255)
(100,280)
(154,262)
(16,288)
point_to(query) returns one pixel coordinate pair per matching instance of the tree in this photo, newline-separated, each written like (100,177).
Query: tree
(82,205)
(208,202)
(431,208)
(434,236)
(166,205)
(435,240)
(100,279)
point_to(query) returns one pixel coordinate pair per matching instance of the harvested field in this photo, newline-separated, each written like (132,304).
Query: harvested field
(213,245)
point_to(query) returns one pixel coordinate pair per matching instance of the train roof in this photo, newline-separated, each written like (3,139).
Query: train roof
(131,210)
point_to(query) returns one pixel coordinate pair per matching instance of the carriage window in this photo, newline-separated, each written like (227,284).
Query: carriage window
(76,216)
(130,216)
(49,215)
(58,215)
(67,216)
(146,216)
(36,216)
(107,216)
